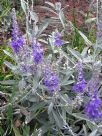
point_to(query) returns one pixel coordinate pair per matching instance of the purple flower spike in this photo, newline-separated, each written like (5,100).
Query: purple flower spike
(92,109)
(57,39)
(17,40)
(37,52)
(51,81)
(80,86)
(93,84)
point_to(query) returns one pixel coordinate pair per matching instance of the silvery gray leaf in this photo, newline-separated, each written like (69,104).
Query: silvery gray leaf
(8,82)
(9,54)
(34,16)
(21,84)
(87,41)
(57,6)
(50,4)
(50,107)
(24,5)
(11,66)
(94,133)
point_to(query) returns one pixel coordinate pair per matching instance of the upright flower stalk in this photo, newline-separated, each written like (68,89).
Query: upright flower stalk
(93,108)
(93,84)
(17,41)
(51,80)
(80,85)
(38,52)
(57,41)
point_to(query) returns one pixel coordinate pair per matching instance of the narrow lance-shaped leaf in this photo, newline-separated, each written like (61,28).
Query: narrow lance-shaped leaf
(50,108)
(34,16)
(84,52)
(8,82)
(9,54)
(85,130)
(42,28)
(48,9)
(50,4)
(8,64)
(23,5)
(94,133)
(62,18)
(75,53)
(87,41)
(90,20)
(58,120)
(82,117)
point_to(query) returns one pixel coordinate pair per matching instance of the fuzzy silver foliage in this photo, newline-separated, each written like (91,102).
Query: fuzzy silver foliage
(60,112)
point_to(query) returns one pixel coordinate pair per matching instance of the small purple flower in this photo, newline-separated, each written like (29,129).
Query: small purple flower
(17,44)
(17,40)
(51,81)
(38,52)
(57,39)
(92,109)
(99,30)
(28,68)
(93,84)
(80,85)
